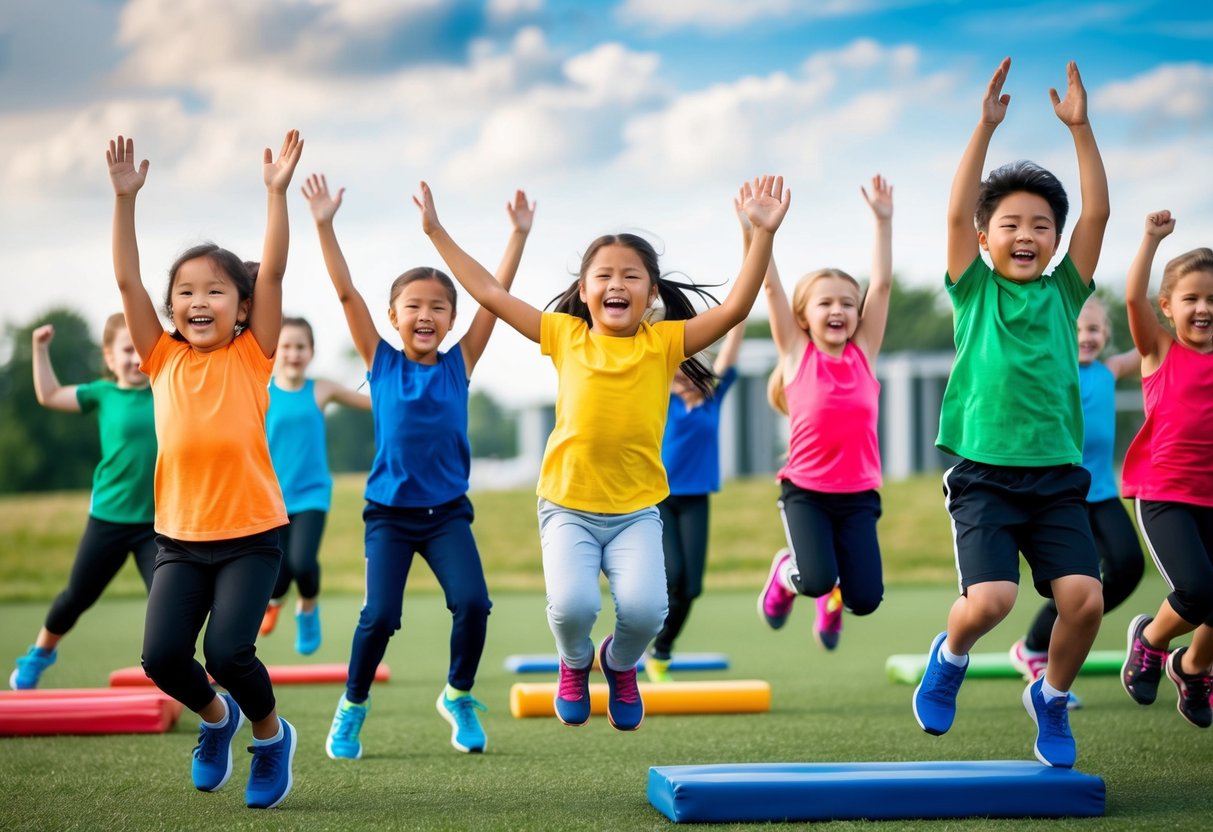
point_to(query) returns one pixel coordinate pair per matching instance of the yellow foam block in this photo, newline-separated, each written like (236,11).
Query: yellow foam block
(737,696)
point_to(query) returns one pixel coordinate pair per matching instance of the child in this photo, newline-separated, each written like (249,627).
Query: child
(1167,470)
(218,505)
(295,428)
(601,476)
(828,340)
(416,494)
(1120,559)
(121,510)
(1013,413)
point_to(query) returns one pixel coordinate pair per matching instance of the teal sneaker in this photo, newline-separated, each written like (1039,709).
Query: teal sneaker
(1054,743)
(935,697)
(466,733)
(269,777)
(307,632)
(343,742)
(30,667)
(212,764)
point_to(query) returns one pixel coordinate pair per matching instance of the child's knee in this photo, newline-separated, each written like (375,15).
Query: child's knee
(864,604)
(471,606)
(378,623)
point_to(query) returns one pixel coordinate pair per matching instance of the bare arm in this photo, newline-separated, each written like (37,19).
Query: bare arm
(481,285)
(51,394)
(1151,338)
(1087,238)
(1124,364)
(729,350)
(875,313)
(357,316)
(331,391)
(141,317)
(765,204)
(962,201)
(522,215)
(265,320)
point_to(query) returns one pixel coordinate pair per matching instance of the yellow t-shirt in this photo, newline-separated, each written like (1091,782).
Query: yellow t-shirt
(214,479)
(604,455)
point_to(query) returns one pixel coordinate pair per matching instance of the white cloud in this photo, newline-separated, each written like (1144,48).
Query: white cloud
(505,10)
(718,15)
(1180,93)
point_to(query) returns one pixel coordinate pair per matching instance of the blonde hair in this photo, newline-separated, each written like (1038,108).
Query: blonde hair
(109,332)
(800,301)
(1196,260)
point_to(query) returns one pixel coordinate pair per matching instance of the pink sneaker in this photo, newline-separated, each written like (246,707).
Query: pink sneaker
(775,602)
(828,626)
(1030,663)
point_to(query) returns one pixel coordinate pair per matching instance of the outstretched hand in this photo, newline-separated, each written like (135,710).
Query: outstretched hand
(429,214)
(1159,224)
(881,198)
(323,204)
(124,176)
(522,213)
(747,229)
(994,105)
(765,202)
(1073,109)
(44,334)
(277,174)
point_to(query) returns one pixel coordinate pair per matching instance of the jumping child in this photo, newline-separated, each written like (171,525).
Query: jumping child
(828,339)
(1167,471)
(122,507)
(218,504)
(416,494)
(601,476)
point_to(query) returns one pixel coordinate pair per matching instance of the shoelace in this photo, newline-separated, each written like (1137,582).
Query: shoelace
(572,682)
(464,710)
(1149,659)
(265,763)
(625,686)
(945,677)
(209,743)
(1056,714)
(1199,688)
(350,722)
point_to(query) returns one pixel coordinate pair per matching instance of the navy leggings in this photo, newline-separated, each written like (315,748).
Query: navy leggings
(1180,539)
(684,537)
(301,554)
(102,552)
(443,536)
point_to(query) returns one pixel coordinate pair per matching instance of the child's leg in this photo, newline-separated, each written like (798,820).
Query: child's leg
(303,555)
(860,573)
(1079,600)
(1180,540)
(979,610)
(177,607)
(100,554)
(684,535)
(144,548)
(636,576)
(1121,561)
(1198,658)
(810,534)
(282,583)
(572,561)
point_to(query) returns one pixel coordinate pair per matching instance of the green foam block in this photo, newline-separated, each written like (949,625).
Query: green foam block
(907,668)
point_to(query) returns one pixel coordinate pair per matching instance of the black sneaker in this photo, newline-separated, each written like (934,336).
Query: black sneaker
(1194,692)
(1143,664)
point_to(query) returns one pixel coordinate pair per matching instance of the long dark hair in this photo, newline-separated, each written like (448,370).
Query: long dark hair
(673,294)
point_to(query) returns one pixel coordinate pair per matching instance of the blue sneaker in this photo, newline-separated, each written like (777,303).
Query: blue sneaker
(269,777)
(1054,742)
(573,695)
(212,764)
(307,632)
(466,733)
(1073,703)
(30,667)
(625,708)
(343,742)
(935,696)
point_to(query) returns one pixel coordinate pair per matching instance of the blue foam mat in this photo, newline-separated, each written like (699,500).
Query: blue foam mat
(750,792)
(547,663)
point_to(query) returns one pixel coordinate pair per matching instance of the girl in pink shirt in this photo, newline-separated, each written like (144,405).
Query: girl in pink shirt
(1167,471)
(828,338)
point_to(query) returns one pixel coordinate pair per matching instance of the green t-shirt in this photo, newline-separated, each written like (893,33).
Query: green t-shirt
(1013,397)
(123,479)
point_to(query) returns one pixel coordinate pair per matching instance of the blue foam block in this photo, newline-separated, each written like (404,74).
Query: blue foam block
(546,663)
(741,792)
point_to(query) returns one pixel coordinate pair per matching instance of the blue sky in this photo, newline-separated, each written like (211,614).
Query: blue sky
(625,115)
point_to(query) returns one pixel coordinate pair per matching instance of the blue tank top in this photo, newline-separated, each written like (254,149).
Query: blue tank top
(422,456)
(690,450)
(294,426)
(1098,387)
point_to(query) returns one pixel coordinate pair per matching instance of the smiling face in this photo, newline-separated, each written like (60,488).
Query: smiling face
(1189,308)
(1092,331)
(422,312)
(123,361)
(617,290)
(830,312)
(206,305)
(294,354)
(1022,236)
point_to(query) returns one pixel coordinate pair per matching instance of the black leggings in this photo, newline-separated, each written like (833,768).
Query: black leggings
(1121,564)
(102,552)
(301,554)
(684,537)
(1180,539)
(230,581)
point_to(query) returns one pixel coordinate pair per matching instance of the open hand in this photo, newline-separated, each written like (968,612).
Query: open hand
(747,229)
(277,174)
(323,204)
(881,198)
(1159,224)
(124,176)
(1073,109)
(765,202)
(522,213)
(429,214)
(994,105)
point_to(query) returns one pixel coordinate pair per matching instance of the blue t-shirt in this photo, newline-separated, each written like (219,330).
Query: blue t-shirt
(1098,387)
(690,449)
(294,426)
(422,455)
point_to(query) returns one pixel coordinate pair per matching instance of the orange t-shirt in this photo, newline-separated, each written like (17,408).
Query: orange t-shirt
(214,479)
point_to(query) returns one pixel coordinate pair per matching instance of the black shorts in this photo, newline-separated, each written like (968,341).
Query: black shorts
(999,511)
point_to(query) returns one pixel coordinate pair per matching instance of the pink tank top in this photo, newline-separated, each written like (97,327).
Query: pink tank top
(833,405)
(1169,459)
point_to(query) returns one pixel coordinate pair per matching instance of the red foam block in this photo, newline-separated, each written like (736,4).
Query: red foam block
(86,711)
(280,674)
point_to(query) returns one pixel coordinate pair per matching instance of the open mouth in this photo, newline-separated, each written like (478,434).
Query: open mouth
(201,321)
(1023,256)
(423,331)
(616,304)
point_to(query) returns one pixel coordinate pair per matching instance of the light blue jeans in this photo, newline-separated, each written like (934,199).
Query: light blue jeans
(577,546)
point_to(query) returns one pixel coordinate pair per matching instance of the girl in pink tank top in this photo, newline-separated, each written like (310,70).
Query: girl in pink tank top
(828,338)
(1167,471)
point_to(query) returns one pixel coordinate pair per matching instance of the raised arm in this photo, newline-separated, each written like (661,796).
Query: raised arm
(330,391)
(765,203)
(962,201)
(1086,239)
(784,331)
(1124,364)
(875,312)
(1151,338)
(266,318)
(50,392)
(324,206)
(481,285)
(141,317)
(522,215)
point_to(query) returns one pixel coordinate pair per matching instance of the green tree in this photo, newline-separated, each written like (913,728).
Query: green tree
(40,449)
(351,439)
(492,431)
